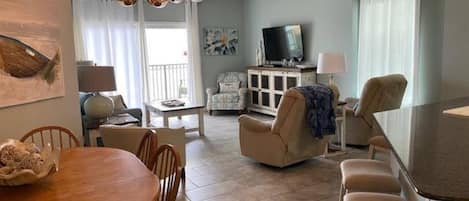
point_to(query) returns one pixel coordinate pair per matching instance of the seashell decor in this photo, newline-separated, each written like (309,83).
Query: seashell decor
(23,163)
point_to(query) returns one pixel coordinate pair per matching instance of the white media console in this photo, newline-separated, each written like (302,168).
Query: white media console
(267,84)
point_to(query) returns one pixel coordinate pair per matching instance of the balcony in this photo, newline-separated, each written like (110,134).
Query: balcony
(167,81)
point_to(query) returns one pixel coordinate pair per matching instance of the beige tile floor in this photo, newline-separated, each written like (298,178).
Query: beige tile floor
(216,171)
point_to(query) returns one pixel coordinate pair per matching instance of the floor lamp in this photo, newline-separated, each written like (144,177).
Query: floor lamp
(331,63)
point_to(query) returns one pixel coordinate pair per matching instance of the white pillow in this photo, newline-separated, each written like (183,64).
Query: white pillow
(119,104)
(229,87)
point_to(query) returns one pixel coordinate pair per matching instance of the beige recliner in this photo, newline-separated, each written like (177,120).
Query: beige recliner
(285,141)
(128,138)
(379,94)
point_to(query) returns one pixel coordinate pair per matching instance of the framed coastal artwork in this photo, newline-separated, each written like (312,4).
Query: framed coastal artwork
(221,41)
(30,58)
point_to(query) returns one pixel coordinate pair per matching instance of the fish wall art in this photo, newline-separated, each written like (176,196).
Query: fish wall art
(30,54)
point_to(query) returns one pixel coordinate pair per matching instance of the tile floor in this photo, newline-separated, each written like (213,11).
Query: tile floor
(216,171)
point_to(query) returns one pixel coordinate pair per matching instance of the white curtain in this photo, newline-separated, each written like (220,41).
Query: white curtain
(108,34)
(387,41)
(195,67)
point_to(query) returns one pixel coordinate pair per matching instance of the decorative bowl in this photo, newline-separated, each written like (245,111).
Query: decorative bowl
(28,176)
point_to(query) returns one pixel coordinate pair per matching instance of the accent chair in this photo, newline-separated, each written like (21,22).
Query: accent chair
(379,94)
(285,141)
(230,93)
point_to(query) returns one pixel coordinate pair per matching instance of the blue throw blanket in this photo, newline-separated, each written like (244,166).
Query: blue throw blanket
(320,114)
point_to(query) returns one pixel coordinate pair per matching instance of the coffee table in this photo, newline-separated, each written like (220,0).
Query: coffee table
(167,112)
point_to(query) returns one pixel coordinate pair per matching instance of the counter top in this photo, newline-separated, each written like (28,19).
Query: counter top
(431,148)
(284,69)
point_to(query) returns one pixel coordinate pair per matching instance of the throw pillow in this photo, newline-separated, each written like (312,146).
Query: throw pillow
(229,87)
(118,103)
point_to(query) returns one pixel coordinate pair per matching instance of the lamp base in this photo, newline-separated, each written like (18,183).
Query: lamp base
(98,106)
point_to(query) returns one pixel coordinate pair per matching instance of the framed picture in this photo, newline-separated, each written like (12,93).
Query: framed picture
(221,41)
(30,58)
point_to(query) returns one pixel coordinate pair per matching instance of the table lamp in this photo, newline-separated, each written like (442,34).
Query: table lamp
(331,63)
(95,79)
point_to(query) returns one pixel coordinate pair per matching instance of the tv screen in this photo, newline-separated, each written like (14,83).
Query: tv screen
(284,42)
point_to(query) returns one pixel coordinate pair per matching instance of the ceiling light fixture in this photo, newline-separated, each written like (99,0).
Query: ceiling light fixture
(154,3)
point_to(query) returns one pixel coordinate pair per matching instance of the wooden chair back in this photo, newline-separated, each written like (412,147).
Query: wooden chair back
(147,148)
(167,166)
(55,135)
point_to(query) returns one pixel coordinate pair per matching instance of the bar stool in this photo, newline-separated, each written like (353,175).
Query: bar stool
(364,175)
(378,143)
(372,197)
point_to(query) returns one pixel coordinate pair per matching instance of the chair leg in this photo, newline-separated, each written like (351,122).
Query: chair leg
(183,175)
(342,192)
(210,112)
(371,152)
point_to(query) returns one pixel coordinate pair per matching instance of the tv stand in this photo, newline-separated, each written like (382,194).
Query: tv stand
(266,85)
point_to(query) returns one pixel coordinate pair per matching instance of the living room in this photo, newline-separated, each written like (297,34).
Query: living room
(224,155)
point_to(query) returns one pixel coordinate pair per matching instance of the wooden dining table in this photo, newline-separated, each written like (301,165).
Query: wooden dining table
(91,174)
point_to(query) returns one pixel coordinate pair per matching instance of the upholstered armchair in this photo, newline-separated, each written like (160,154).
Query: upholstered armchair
(286,140)
(379,94)
(128,138)
(230,93)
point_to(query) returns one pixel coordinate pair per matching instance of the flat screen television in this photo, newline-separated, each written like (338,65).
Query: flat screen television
(285,42)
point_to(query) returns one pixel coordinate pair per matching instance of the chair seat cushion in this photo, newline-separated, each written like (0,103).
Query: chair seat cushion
(363,175)
(225,98)
(371,197)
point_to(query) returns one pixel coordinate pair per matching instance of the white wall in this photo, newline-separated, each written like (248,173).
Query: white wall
(328,26)
(455,71)
(17,120)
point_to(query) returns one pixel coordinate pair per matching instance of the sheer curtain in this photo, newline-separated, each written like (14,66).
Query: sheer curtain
(108,34)
(387,41)
(195,66)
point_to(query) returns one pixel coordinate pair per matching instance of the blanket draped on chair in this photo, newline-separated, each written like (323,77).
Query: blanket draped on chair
(320,116)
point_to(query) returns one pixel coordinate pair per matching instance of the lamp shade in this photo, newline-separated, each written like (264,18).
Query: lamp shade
(96,78)
(331,63)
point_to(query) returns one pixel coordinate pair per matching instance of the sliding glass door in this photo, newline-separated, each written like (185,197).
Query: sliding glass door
(387,41)
(167,61)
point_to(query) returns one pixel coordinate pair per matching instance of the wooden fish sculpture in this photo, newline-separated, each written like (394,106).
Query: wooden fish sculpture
(22,61)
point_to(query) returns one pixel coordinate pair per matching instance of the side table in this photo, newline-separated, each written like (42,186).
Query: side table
(93,124)
(341,121)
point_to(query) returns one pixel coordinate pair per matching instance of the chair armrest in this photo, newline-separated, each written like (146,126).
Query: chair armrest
(254,125)
(243,91)
(135,112)
(210,91)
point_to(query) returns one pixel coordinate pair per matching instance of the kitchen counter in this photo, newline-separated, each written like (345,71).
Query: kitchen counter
(432,148)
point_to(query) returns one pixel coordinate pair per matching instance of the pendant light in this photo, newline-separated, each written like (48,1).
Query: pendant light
(176,1)
(127,3)
(155,3)
(158,3)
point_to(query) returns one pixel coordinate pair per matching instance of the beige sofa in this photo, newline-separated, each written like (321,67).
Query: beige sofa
(379,94)
(285,141)
(128,138)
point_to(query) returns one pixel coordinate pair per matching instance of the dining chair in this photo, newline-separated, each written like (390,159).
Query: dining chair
(55,135)
(148,146)
(167,166)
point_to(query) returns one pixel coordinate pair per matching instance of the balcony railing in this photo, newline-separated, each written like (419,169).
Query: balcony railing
(167,81)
